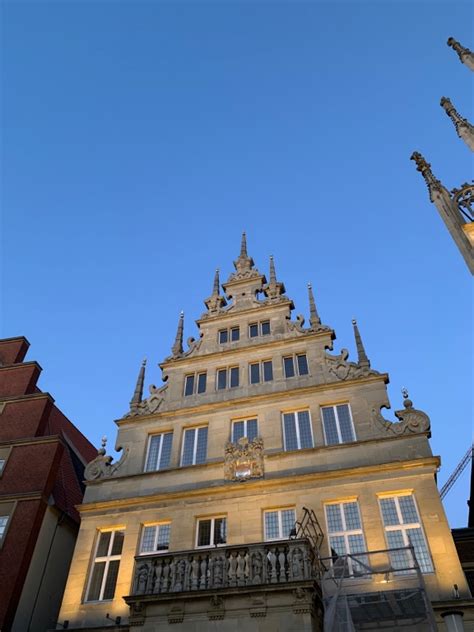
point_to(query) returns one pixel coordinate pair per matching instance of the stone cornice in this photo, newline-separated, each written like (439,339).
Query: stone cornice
(227,314)
(430,463)
(267,344)
(270,396)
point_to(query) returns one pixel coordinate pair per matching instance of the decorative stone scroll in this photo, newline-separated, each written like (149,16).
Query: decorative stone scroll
(223,567)
(338,368)
(151,404)
(297,327)
(412,421)
(243,460)
(102,466)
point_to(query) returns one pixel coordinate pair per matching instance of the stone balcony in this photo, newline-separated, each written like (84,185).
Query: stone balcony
(221,567)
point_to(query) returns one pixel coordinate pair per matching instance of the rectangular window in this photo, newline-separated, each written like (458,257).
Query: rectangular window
(3,525)
(265,328)
(279,523)
(233,334)
(261,371)
(106,566)
(403,528)
(227,378)
(2,465)
(289,366)
(159,451)
(245,428)
(253,330)
(346,536)
(155,538)
(195,383)
(211,532)
(337,424)
(302,363)
(194,446)
(297,430)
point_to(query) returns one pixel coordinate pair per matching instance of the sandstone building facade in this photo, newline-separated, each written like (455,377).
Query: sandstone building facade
(261,488)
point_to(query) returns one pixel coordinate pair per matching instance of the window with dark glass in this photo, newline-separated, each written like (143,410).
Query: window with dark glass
(294,364)
(211,532)
(302,363)
(235,334)
(221,379)
(267,371)
(234,376)
(195,383)
(297,431)
(194,446)
(227,378)
(337,424)
(265,327)
(223,336)
(159,451)
(261,371)
(244,428)
(255,373)
(289,366)
(103,578)
(155,538)
(253,330)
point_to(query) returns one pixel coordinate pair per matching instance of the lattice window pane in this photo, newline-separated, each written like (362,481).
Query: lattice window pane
(153,451)
(163,541)
(252,429)
(351,514)
(201,451)
(289,367)
(204,533)
(302,364)
(188,449)
(265,328)
(3,524)
(166,450)
(417,539)
(268,371)
(399,559)
(389,512)
(272,530)
(117,543)
(330,428)
(306,439)
(220,531)
(111,581)
(288,520)
(345,424)
(291,442)
(96,581)
(338,544)
(104,541)
(238,431)
(334,518)
(148,539)
(408,509)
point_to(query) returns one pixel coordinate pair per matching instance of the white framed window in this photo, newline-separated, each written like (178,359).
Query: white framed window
(346,535)
(105,568)
(295,365)
(279,523)
(211,532)
(403,528)
(155,538)
(259,329)
(297,430)
(195,383)
(337,424)
(228,335)
(244,428)
(3,526)
(260,372)
(194,446)
(227,378)
(158,451)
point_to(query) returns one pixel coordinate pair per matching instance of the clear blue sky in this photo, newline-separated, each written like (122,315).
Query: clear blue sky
(141,138)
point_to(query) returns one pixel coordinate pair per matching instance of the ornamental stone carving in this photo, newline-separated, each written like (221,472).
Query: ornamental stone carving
(151,404)
(243,460)
(412,421)
(102,466)
(337,368)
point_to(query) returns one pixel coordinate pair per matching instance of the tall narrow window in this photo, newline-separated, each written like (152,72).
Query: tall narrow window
(223,336)
(105,569)
(403,528)
(265,327)
(302,363)
(159,451)
(189,385)
(221,379)
(211,532)
(338,426)
(253,330)
(346,536)
(297,430)
(279,523)
(201,388)
(194,446)
(155,538)
(235,334)
(245,428)
(234,376)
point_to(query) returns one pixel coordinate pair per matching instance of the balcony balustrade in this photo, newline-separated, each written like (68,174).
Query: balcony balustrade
(222,567)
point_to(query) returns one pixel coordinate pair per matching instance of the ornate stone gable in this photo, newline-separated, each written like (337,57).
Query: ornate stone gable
(337,368)
(102,466)
(243,460)
(411,420)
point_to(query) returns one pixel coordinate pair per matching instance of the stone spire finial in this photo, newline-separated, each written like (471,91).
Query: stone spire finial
(433,184)
(274,289)
(177,348)
(215,302)
(363,360)
(464,54)
(406,399)
(314,318)
(243,264)
(138,393)
(464,129)
(243,245)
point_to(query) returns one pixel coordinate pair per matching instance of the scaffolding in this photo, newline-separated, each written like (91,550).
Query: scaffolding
(375,590)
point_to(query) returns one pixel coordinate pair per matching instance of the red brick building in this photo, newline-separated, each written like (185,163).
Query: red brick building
(42,459)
